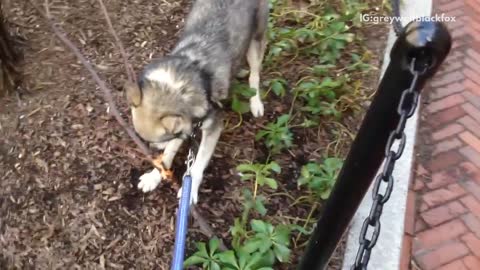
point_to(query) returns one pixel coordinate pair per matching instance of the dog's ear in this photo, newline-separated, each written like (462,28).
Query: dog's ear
(172,123)
(133,93)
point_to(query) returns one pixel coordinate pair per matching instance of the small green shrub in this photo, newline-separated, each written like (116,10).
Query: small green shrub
(320,178)
(277,135)
(241,93)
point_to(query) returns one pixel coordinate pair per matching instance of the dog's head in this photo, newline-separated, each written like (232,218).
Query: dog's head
(164,105)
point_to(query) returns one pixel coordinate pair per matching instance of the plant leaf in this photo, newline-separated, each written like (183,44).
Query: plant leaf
(202,249)
(240,106)
(245,168)
(242,258)
(271,183)
(214,266)
(267,260)
(282,234)
(194,260)
(275,167)
(228,257)
(259,206)
(213,246)
(259,226)
(281,252)
(252,245)
(278,89)
(282,120)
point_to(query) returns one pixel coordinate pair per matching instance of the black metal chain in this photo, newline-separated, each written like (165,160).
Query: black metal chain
(406,108)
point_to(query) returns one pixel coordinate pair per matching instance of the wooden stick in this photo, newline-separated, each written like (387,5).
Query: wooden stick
(101,84)
(128,67)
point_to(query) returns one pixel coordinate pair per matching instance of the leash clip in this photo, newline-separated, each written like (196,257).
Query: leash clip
(189,162)
(191,155)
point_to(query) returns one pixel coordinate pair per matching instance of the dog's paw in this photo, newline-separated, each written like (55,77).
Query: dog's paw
(256,106)
(193,195)
(149,181)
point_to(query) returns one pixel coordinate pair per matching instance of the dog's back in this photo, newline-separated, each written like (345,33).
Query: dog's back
(219,21)
(217,34)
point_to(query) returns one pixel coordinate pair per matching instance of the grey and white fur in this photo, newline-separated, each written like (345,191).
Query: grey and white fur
(188,85)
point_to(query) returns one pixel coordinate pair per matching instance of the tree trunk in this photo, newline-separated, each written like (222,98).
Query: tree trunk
(9,74)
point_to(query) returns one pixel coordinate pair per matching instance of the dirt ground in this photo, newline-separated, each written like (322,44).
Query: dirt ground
(67,192)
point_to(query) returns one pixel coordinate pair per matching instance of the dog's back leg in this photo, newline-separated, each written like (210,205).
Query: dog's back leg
(255,56)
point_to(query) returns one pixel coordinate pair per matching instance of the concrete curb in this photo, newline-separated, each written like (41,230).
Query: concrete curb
(387,253)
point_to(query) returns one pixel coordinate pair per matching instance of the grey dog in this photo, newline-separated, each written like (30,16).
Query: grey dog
(188,85)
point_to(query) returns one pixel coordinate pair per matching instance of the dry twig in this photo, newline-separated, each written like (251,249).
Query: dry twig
(128,67)
(107,93)
(202,223)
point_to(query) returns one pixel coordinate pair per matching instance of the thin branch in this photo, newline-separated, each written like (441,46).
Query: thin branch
(101,84)
(202,223)
(128,67)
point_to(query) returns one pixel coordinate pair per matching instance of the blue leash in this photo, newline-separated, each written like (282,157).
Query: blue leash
(182,224)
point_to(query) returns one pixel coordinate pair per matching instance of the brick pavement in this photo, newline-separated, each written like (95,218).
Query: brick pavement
(442,225)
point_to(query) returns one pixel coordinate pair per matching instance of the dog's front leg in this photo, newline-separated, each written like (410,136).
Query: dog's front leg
(211,131)
(149,181)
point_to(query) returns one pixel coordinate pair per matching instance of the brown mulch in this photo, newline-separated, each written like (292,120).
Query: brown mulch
(67,193)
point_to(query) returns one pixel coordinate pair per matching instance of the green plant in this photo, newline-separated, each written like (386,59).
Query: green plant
(260,173)
(351,11)
(321,31)
(241,93)
(250,202)
(269,238)
(278,86)
(322,70)
(277,135)
(320,96)
(212,258)
(257,248)
(209,258)
(320,178)
(324,35)
(333,39)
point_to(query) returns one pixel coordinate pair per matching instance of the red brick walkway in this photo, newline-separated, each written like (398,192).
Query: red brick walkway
(442,229)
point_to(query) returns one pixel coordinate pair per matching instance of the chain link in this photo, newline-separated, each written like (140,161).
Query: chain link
(406,108)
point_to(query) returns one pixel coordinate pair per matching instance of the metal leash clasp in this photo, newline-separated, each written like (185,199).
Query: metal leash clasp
(191,155)
(189,162)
